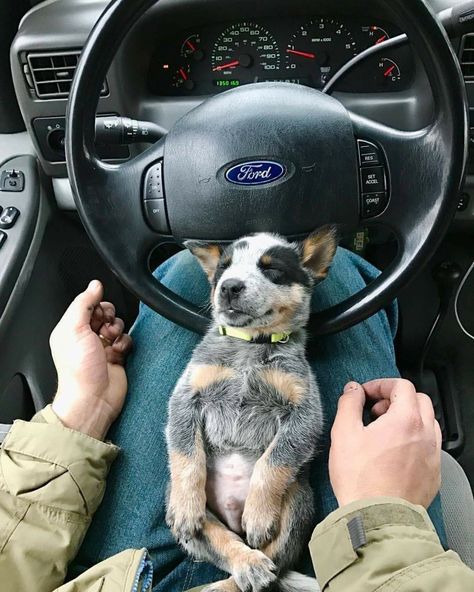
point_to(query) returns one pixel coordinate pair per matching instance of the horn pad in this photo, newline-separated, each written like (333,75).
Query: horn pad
(274,157)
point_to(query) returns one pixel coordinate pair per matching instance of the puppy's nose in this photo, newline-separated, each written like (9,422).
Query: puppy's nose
(231,289)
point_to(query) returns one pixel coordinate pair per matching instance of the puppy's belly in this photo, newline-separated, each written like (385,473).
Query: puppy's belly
(227,487)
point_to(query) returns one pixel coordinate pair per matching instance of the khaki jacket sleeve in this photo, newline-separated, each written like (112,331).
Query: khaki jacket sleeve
(384,545)
(52,480)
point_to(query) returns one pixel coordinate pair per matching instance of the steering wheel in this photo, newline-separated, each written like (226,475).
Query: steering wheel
(270,157)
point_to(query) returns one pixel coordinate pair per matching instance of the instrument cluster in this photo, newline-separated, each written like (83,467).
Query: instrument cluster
(306,51)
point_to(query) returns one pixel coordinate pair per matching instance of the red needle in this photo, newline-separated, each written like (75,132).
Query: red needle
(303,54)
(381,39)
(389,71)
(225,66)
(190,45)
(183,74)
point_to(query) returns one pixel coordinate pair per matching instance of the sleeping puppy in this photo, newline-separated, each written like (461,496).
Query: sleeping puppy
(245,416)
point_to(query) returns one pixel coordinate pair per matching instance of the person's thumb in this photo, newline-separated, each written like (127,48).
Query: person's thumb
(82,307)
(350,406)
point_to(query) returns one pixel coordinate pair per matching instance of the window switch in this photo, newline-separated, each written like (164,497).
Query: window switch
(9,217)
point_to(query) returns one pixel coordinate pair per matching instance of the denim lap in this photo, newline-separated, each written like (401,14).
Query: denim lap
(133,511)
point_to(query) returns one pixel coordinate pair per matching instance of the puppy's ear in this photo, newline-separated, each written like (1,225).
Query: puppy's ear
(207,254)
(318,250)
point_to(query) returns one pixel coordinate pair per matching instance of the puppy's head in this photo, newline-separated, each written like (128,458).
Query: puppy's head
(262,282)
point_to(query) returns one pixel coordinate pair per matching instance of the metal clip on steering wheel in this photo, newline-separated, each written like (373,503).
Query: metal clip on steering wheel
(322,147)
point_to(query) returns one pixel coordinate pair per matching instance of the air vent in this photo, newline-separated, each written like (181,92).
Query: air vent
(467,57)
(52,73)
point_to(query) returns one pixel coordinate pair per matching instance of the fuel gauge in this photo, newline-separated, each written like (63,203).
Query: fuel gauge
(388,72)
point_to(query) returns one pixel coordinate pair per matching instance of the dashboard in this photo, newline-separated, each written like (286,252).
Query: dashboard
(301,50)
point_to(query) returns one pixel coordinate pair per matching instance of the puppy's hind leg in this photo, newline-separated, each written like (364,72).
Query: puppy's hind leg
(295,530)
(251,569)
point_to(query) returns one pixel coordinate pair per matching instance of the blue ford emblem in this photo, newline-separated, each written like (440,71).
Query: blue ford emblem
(255,172)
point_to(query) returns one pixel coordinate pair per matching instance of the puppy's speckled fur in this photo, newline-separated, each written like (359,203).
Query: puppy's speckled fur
(244,418)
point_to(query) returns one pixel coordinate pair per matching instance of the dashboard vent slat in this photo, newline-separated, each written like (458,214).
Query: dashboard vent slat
(466,57)
(52,73)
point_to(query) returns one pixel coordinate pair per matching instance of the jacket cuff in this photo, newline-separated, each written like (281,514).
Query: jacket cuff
(46,439)
(335,541)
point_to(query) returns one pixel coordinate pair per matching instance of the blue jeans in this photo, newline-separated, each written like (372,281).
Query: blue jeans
(133,511)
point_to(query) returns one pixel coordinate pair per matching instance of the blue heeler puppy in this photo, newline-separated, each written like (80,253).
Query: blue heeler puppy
(245,416)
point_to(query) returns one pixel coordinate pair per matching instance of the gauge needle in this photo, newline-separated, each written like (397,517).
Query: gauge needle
(190,45)
(225,66)
(303,54)
(381,39)
(183,74)
(388,71)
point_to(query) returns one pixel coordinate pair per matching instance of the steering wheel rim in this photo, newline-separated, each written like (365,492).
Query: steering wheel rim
(438,153)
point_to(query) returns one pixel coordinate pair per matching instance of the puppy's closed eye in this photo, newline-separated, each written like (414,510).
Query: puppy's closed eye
(272,271)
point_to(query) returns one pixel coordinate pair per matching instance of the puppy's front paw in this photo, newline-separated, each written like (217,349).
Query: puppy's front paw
(254,571)
(185,516)
(260,522)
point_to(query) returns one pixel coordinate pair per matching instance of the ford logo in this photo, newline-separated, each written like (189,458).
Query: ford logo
(255,172)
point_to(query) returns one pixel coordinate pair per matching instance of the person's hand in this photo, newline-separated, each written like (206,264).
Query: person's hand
(397,455)
(89,348)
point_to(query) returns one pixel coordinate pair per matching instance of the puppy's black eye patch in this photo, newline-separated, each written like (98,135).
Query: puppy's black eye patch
(281,265)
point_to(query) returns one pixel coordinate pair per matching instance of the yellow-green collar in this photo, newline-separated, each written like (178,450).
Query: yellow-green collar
(241,334)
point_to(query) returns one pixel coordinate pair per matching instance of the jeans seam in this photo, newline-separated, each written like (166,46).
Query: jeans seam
(189,575)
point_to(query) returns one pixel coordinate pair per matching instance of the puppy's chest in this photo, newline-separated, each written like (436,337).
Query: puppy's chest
(244,409)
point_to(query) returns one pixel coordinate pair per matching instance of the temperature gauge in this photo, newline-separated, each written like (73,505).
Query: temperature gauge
(191,48)
(388,72)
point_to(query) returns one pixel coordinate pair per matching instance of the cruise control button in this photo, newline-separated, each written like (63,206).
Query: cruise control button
(372,179)
(373,204)
(3,238)
(369,154)
(9,217)
(154,182)
(156,215)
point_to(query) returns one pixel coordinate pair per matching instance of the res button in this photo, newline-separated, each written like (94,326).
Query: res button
(369,154)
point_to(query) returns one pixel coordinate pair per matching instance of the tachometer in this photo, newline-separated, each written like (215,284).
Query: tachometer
(324,43)
(245,52)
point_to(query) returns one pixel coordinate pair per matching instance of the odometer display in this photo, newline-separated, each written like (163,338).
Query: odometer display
(246,52)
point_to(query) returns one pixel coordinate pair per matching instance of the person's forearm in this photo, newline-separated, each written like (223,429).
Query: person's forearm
(383,543)
(52,482)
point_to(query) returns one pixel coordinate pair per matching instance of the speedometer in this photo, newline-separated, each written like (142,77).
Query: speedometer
(244,52)
(323,44)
